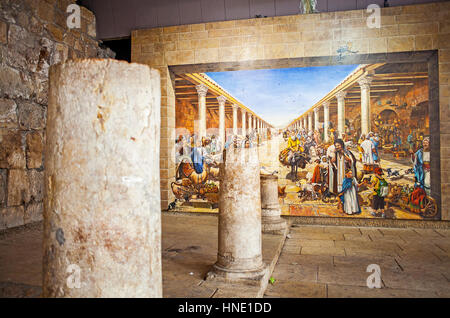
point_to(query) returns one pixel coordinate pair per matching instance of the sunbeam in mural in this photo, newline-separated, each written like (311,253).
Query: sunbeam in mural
(344,140)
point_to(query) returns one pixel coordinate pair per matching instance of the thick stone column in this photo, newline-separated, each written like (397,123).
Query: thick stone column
(239,250)
(304,122)
(340,96)
(310,125)
(244,131)
(222,100)
(250,122)
(270,207)
(316,118)
(202,90)
(235,119)
(326,121)
(102,219)
(364,83)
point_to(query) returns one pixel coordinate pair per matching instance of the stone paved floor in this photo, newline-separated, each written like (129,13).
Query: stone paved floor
(189,248)
(316,261)
(331,261)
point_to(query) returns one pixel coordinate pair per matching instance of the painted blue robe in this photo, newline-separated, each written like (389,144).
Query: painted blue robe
(197,159)
(418,169)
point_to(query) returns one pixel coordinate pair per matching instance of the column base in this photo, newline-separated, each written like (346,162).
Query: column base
(273,225)
(256,277)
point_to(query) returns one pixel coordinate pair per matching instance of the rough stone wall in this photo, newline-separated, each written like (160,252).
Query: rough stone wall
(33,36)
(271,42)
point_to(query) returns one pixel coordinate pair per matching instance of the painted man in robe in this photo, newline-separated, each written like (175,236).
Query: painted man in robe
(198,156)
(342,161)
(376,142)
(367,156)
(422,167)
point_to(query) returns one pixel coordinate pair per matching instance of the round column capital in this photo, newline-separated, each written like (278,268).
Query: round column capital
(221,99)
(202,90)
(341,95)
(364,82)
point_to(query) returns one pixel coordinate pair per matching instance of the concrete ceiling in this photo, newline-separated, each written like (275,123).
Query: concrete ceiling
(117,18)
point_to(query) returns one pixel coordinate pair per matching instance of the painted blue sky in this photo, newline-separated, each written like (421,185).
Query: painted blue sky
(280,95)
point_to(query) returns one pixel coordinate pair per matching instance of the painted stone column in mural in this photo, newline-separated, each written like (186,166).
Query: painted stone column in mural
(310,124)
(102,219)
(239,249)
(235,119)
(340,96)
(326,121)
(222,100)
(202,90)
(270,206)
(250,121)
(244,131)
(316,118)
(304,122)
(364,83)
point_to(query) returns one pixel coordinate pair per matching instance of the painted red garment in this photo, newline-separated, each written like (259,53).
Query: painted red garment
(316,175)
(417,196)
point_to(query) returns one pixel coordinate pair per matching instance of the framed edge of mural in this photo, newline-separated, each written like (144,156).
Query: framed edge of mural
(377,158)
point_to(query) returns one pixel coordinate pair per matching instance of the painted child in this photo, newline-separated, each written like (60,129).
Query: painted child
(380,191)
(349,194)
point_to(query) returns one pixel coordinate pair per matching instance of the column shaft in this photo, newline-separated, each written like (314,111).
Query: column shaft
(341,112)
(235,120)
(244,131)
(310,125)
(202,91)
(270,206)
(102,219)
(222,100)
(316,118)
(326,121)
(239,249)
(364,83)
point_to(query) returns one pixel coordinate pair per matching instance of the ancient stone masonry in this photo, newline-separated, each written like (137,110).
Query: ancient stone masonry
(33,36)
(239,218)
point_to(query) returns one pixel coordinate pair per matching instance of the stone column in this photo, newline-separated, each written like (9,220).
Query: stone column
(244,131)
(222,99)
(326,121)
(364,83)
(316,118)
(235,119)
(270,207)
(102,219)
(310,125)
(202,90)
(304,123)
(254,123)
(250,121)
(239,250)
(340,96)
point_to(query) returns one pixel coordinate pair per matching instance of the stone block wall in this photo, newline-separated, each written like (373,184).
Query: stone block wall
(33,36)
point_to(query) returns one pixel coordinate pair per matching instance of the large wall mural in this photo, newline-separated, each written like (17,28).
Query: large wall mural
(359,146)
